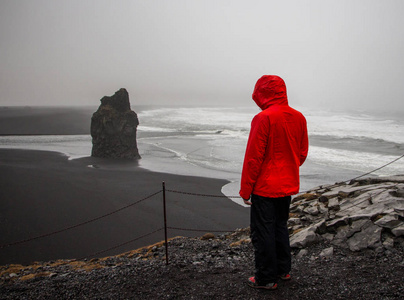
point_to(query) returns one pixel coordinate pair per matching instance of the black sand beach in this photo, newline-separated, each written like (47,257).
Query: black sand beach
(45,120)
(43,192)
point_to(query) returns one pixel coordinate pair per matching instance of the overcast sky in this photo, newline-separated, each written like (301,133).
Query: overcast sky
(346,53)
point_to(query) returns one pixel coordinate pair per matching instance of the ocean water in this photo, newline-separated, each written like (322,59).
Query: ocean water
(356,142)
(210,142)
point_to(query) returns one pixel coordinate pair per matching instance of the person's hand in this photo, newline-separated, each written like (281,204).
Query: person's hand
(247,201)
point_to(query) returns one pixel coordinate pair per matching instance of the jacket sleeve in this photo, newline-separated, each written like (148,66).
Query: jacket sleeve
(254,155)
(304,146)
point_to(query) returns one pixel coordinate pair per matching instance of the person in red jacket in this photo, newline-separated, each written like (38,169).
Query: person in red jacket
(277,146)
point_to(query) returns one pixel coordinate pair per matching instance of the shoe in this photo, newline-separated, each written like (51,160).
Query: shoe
(269,286)
(285,277)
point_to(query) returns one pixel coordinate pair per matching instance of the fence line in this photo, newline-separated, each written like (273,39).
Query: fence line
(202,195)
(77,225)
(385,165)
(198,230)
(165,221)
(349,180)
(120,245)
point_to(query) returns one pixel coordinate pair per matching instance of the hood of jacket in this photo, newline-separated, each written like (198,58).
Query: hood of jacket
(270,90)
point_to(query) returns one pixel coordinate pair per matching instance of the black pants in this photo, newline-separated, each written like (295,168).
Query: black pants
(270,237)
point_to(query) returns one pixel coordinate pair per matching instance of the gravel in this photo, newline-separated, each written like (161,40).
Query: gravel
(212,268)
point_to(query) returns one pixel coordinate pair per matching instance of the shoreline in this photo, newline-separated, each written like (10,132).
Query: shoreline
(53,185)
(157,158)
(75,121)
(44,191)
(367,260)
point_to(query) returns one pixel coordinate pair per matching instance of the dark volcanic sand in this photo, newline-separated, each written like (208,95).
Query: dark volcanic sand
(43,192)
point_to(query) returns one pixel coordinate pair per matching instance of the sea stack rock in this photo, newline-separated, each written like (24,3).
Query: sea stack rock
(113,128)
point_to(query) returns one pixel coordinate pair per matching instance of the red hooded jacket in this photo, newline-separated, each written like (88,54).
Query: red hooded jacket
(277,145)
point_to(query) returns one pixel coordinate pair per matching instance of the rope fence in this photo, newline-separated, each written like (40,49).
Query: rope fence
(120,245)
(202,195)
(165,228)
(196,230)
(77,225)
(385,165)
(357,177)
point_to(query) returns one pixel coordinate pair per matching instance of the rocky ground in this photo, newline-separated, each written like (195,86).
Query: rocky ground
(347,240)
(210,268)
(366,213)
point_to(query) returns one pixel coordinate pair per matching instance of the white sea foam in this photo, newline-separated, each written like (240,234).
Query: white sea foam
(342,145)
(355,125)
(211,142)
(358,161)
(143,128)
(197,119)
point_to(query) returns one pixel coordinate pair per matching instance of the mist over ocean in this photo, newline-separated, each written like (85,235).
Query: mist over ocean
(210,142)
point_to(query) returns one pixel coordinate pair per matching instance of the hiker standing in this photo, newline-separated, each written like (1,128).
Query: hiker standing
(277,146)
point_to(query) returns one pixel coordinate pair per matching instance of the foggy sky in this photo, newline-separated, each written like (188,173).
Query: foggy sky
(330,53)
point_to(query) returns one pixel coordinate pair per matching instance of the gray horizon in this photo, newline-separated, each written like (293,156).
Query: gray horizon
(331,54)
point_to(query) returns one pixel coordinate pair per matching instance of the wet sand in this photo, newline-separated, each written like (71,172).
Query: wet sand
(42,192)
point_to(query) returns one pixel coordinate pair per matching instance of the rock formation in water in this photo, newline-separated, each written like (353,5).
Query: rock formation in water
(113,128)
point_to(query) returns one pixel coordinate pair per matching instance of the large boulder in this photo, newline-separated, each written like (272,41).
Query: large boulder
(364,214)
(113,128)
